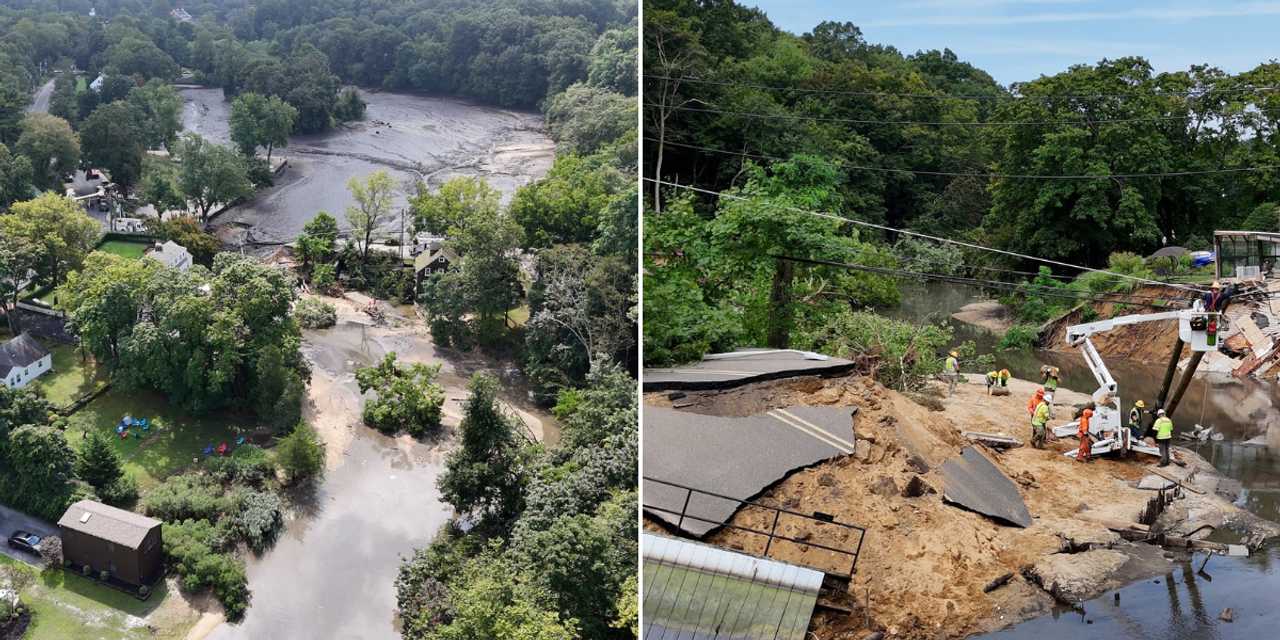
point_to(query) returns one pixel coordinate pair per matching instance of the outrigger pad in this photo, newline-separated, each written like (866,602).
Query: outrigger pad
(974,483)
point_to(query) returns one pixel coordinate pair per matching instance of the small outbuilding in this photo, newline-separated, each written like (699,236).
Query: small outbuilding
(22,360)
(170,254)
(125,544)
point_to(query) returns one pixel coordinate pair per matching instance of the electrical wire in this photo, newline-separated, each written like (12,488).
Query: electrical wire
(937,123)
(926,236)
(938,96)
(975,174)
(1049,292)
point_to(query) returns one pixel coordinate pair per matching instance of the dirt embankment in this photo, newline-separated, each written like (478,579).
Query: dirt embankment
(1147,341)
(924,564)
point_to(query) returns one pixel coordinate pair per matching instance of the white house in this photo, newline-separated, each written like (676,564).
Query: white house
(171,254)
(22,360)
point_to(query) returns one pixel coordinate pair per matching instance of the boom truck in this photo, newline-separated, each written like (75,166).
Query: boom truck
(1197,327)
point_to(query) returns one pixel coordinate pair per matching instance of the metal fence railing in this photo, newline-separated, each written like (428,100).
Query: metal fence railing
(818,521)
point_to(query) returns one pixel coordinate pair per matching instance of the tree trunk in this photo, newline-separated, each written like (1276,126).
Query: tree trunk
(780,312)
(657,165)
(269,148)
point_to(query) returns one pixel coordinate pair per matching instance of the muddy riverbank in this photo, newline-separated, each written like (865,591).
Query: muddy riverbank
(411,137)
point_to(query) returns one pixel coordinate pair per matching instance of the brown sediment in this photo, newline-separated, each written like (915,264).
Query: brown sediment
(924,563)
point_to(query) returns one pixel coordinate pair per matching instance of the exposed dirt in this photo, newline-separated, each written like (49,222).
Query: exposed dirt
(988,314)
(1148,341)
(925,563)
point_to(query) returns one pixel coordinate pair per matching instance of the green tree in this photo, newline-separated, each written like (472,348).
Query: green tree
(112,138)
(614,61)
(160,107)
(350,106)
(372,209)
(42,475)
(564,207)
(490,600)
(261,121)
(99,464)
(17,258)
(187,232)
(318,239)
(159,186)
(138,55)
(408,398)
(485,476)
(448,209)
(15,178)
(57,228)
(211,174)
(301,454)
(13,104)
(585,118)
(52,147)
(64,102)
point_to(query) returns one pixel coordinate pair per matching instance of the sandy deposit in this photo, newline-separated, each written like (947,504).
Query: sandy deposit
(988,314)
(924,563)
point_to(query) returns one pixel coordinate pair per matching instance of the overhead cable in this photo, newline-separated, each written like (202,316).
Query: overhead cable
(962,243)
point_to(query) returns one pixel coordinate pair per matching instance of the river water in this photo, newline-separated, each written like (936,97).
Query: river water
(1185,604)
(411,137)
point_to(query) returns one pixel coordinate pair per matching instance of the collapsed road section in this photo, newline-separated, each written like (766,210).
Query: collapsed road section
(938,562)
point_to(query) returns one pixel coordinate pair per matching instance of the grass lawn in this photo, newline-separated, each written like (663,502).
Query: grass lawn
(82,85)
(123,248)
(67,605)
(519,315)
(70,377)
(174,439)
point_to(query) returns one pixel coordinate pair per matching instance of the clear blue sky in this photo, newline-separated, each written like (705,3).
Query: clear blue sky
(1017,40)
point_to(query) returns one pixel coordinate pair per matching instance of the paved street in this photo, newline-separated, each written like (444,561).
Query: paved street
(11,521)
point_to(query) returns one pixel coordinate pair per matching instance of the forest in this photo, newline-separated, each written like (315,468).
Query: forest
(1086,166)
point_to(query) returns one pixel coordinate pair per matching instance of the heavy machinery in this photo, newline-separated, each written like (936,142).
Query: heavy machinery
(1197,328)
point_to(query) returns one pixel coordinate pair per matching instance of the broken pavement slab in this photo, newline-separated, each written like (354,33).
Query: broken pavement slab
(725,370)
(972,482)
(735,457)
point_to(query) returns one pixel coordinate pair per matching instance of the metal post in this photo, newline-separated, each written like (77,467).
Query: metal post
(772,530)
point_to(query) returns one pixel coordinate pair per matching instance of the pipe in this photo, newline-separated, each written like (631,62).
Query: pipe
(1168,372)
(1186,380)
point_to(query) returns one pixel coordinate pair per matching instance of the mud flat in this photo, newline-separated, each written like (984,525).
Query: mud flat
(988,314)
(411,137)
(925,564)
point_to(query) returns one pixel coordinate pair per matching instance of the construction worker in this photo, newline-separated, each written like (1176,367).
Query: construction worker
(951,369)
(1136,429)
(997,378)
(1086,441)
(1039,420)
(1050,379)
(1164,435)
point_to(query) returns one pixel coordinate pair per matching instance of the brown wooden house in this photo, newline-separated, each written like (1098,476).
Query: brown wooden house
(125,544)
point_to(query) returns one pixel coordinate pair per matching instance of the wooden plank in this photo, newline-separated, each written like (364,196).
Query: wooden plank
(1180,483)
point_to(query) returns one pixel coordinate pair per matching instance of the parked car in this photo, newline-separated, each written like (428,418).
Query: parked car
(26,541)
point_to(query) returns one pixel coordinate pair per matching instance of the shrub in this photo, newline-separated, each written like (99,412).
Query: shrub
(901,355)
(1020,337)
(192,550)
(259,519)
(301,453)
(185,497)
(324,278)
(409,398)
(313,313)
(248,464)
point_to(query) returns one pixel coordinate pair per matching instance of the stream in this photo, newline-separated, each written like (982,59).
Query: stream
(1185,604)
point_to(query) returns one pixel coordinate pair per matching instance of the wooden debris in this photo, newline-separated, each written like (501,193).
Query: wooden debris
(997,583)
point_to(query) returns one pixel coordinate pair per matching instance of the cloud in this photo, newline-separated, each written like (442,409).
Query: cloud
(1170,14)
(979,4)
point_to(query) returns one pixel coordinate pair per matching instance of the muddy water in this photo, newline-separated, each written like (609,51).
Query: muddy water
(1184,605)
(411,137)
(332,574)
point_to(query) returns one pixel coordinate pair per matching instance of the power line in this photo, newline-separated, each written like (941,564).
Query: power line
(943,96)
(976,174)
(1050,292)
(939,123)
(926,236)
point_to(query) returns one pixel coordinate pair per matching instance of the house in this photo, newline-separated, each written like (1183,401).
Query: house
(96,84)
(170,254)
(101,538)
(434,262)
(22,360)
(129,225)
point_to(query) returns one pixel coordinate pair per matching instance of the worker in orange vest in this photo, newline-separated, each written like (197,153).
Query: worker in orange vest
(1086,442)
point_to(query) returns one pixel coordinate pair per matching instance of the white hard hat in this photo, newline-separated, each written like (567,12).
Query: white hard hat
(1159,412)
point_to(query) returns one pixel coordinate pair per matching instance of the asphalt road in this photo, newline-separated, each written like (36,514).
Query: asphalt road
(11,521)
(40,103)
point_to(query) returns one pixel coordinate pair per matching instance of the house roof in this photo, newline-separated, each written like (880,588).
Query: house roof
(169,253)
(21,351)
(425,260)
(122,527)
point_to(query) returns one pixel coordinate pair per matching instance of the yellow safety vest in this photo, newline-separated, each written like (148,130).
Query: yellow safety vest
(1164,428)
(1042,414)
(952,365)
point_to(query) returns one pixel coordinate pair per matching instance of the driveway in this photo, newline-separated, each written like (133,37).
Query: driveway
(11,521)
